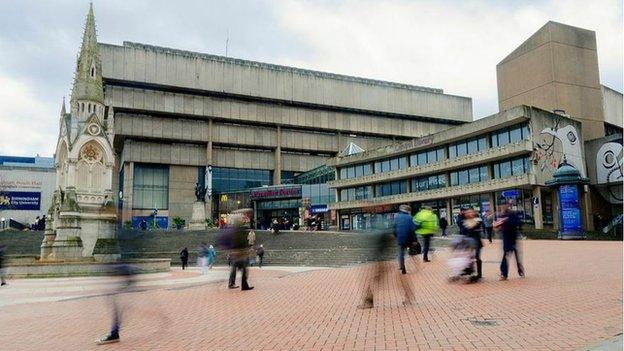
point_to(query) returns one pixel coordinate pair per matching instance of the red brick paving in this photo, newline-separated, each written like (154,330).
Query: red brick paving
(571,297)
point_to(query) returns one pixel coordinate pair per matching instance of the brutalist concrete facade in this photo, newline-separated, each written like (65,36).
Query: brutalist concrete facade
(190,110)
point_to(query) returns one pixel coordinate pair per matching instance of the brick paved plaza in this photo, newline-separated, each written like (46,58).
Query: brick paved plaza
(570,299)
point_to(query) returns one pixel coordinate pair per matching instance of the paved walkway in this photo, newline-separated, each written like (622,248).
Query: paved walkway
(571,299)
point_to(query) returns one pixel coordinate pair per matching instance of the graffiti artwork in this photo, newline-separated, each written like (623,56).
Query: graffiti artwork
(609,171)
(571,147)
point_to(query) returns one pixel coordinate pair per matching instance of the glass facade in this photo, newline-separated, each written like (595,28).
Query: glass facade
(521,202)
(508,168)
(467,147)
(469,176)
(434,181)
(510,135)
(319,194)
(427,156)
(233,179)
(150,188)
(391,164)
(479,203)
(391,188)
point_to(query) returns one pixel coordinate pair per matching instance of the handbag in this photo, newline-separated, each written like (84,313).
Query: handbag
(414,249)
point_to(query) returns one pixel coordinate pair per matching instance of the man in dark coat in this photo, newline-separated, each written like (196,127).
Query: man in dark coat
(509,224)
(443,225)
(184,255)
(234,238)
(404,232)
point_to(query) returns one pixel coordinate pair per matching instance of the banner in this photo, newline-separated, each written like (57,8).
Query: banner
(20,200)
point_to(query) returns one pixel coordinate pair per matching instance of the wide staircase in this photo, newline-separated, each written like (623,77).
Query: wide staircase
(300,248)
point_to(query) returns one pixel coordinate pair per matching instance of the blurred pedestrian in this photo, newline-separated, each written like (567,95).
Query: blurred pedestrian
(211,255)
(427,225)
(472,229)
(488,224)
(184,255)
(404,232)
(251,238)
(443,225)
(202,258)
(275,227)
(260,253)
(2,277)
(508,224)
(126,273)
(234,239)
(381,242)
(460,219)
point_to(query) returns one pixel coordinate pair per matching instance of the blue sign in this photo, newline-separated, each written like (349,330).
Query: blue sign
(570,209)
(20,200)
(511,193)
(318,209)
(161,222)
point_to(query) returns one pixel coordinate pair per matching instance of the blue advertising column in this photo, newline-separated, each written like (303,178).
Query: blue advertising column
(567,181)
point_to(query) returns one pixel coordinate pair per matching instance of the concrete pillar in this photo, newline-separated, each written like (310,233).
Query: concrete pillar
(209,213)
(586,209)
(556,209)
(538,216)
(128,181)
(449,214)
(277,173)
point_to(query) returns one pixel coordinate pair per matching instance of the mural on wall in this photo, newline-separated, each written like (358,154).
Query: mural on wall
(571,147)
(609,171)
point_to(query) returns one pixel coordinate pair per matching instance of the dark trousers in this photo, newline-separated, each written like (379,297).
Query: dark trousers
(488,232)
(184,264)
(444,231)
(260,261)
(479,262)
(402,257)
(504,267)
(127,273)
(242,265)
(426,244)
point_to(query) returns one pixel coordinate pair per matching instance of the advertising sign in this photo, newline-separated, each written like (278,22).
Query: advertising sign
(275,192)
(570,209)
(315,209)
(20,200)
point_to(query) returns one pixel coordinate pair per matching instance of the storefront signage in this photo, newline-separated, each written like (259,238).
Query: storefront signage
(20,200)
(315,209)
(275,193)
(570,210)
(510,193)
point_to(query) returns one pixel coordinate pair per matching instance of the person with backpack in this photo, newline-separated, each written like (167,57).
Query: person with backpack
(427,225)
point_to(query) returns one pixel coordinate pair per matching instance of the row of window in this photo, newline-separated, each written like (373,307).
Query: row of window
(509,135)
(467,147)
(507,168)
(470,175)
(427,156)
(356,171)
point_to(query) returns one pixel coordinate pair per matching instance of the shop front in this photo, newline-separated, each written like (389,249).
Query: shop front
(279,204)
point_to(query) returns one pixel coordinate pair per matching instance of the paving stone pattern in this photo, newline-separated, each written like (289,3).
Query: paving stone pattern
(571,298)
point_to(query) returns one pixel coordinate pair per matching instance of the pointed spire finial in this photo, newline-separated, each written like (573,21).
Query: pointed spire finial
(88,77)
(63,110)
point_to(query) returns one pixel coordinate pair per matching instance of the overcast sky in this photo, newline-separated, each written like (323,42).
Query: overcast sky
(453,45)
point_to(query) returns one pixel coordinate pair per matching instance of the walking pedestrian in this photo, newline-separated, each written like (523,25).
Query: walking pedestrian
(381,243)
(260,253)
(211,256)
(472,229)
(202,258)
(275,227)
(184,258)
(239,251)
(508,225)
(404,232)
(460,219)
(251,238)
(427,225)
(126,272)
(2,278)
(443,225)
(488,224)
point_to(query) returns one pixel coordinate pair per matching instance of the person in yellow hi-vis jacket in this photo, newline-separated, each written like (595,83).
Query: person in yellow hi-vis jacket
(426,226)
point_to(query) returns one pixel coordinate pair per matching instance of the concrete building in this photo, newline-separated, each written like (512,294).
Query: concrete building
(506,156)
(557,69)
(178,118)
(26,187)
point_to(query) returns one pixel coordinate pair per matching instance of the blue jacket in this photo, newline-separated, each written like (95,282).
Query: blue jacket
(404,228)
